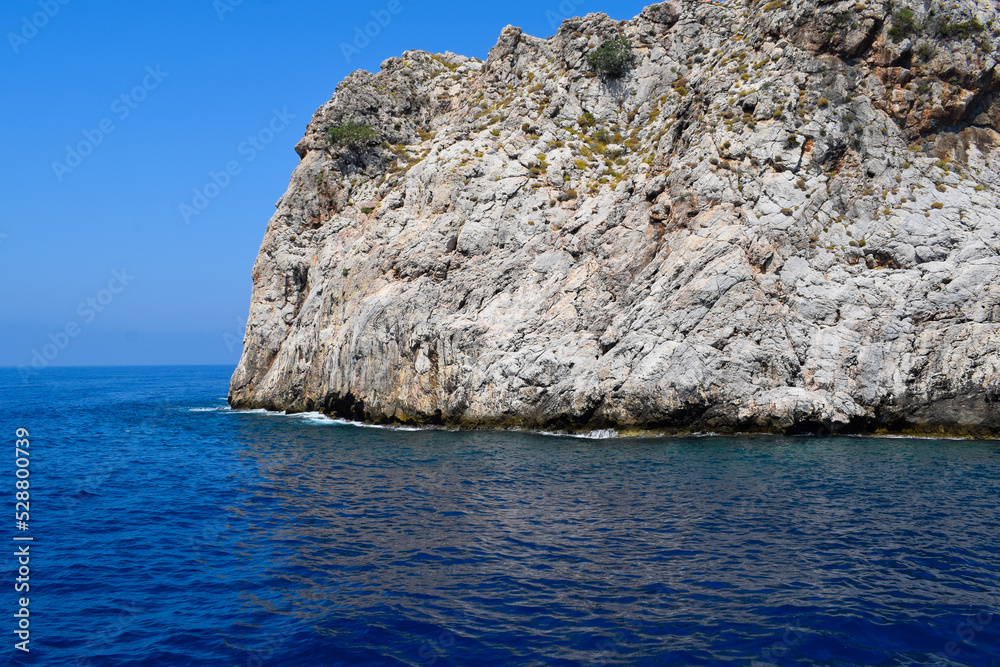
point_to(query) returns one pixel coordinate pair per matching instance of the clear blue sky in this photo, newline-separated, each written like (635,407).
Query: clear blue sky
(181,86)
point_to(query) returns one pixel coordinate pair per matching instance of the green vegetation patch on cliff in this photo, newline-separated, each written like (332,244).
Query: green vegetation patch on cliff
(350,134)
(612,58)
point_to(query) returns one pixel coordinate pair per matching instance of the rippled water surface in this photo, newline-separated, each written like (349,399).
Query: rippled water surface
(172,531)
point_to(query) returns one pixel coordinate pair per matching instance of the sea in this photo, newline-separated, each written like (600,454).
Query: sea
(167,529)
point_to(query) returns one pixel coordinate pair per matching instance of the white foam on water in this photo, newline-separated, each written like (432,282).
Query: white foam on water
(319,418)
(599,434)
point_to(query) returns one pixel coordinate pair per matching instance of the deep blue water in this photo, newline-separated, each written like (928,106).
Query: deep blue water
(171,531)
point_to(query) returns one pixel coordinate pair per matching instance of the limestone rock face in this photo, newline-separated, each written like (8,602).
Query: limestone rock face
(783,217)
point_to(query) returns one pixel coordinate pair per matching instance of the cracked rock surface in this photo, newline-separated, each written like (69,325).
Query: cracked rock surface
(784,217)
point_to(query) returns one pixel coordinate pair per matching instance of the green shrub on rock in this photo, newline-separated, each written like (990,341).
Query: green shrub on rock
(612,58)
(350,134)
(962,30)
(926,51)
(904,24)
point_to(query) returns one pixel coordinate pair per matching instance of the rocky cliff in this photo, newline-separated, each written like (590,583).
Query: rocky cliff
(781,217)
